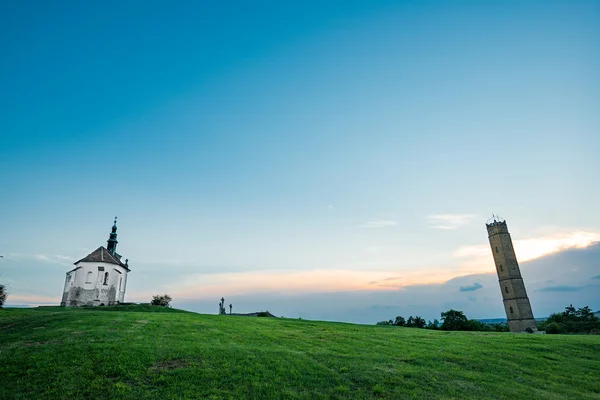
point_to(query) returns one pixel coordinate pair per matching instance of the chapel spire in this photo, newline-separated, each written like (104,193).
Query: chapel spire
(112,240)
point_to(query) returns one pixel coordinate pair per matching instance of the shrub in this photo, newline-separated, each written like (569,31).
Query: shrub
(161,300)
(3,295)
(553,328)
(263,314)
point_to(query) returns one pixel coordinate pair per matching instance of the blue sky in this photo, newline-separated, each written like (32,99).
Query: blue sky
(254,148)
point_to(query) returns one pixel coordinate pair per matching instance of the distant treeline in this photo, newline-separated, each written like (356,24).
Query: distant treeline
(451,320)
(572,320)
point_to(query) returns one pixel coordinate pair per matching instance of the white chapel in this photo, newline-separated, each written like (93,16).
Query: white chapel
(99,279)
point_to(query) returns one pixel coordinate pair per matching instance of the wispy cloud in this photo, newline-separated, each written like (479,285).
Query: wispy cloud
(561,289)
(45,258)
(31,299)
(449,221)
(596,277)
(379,224)
(471,288)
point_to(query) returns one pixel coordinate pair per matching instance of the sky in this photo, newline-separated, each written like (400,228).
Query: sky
(329,160)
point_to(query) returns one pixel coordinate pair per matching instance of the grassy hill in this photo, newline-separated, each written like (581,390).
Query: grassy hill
(156,353)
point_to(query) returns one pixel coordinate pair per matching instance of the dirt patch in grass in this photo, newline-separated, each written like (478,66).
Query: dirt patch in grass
(41,343)
(170,365)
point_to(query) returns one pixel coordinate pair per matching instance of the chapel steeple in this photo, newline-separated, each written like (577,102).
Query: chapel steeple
(112,240)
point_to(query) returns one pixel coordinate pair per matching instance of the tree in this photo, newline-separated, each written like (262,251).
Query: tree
(573,320)
(3,295)
(454,320)
(419,322)
(161,300)
(553,328)
(433,325)
(400,321)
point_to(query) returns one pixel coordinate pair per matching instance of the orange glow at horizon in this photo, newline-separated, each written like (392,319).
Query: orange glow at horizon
(312,281)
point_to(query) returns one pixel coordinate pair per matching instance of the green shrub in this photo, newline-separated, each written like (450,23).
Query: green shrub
(263,314)
(553,328)
(3,295)
(161,300)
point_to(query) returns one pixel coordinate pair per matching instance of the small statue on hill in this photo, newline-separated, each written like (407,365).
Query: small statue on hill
(222,306)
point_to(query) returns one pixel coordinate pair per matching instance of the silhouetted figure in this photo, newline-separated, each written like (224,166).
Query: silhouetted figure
(230,307)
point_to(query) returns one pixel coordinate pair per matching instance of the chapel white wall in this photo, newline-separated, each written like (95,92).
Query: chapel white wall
(79,291)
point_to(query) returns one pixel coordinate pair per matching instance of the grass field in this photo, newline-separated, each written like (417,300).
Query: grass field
(136,352)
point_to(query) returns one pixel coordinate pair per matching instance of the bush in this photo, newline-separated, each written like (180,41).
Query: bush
(161,300)
(263,314)
(3,295)
(553,328)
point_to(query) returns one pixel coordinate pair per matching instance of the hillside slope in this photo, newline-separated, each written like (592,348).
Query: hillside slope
(131,353)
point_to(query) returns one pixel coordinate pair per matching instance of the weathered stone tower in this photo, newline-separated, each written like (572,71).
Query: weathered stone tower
(516,302)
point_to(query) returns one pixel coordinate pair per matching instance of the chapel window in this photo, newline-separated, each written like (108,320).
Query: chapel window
(88,278)
(506,289)
(511,309)
(106,278)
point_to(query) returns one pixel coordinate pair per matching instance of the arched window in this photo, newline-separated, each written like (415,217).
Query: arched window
(120,282)
(106,278)
(511,309)
(496,249)
(506,289)
(88,278)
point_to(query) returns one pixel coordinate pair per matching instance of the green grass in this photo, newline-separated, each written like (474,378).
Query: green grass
(135,352)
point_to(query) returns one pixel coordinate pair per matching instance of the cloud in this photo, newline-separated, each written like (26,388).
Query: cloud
(379,224)
(44,258)
(480,256)
(596,277)
(449,221)
(471,288)
(561,289)
(31,300)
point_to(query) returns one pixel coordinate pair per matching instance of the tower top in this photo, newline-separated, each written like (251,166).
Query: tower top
(112,239)
(496,224)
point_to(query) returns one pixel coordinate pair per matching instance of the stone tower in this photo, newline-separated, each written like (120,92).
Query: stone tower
(516,302)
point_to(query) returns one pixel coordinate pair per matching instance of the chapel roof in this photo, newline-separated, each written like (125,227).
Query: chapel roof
(101,254)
